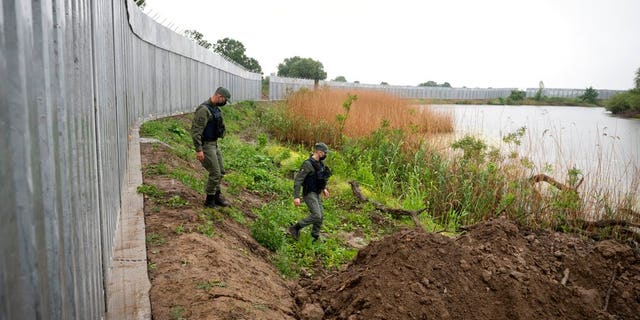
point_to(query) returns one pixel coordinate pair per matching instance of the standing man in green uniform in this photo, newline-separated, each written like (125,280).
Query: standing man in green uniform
(312,179)
(206,129)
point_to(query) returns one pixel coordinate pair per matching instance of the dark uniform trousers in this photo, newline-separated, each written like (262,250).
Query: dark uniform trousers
(213,163)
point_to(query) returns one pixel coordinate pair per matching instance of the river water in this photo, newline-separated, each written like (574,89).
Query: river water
(605,148)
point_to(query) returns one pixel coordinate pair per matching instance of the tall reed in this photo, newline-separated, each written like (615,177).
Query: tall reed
(321,115)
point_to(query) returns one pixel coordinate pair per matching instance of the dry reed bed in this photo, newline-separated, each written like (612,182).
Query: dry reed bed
(367,113)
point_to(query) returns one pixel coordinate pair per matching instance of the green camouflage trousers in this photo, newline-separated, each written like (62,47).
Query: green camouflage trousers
(314,203)
(213,163)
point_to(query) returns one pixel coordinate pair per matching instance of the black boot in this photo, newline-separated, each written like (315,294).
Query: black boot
(294,231)
(210,201)
(217,198)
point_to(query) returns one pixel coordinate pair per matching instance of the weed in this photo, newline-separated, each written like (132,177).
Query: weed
(150,191)
(236,215)
(268,232)
(156,169)
(207,285)
(206,228)
(189,179)
(154,239)
(176,202)
(177,313)
(179,229)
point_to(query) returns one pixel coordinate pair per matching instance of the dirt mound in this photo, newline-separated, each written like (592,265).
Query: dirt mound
(200,270)
(494,271)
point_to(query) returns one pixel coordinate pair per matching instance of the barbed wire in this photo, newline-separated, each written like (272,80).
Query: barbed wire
(173,26)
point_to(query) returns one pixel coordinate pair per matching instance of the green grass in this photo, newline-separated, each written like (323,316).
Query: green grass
(208,285)
(177,313)
(154,239)
(176,202)
(150,191)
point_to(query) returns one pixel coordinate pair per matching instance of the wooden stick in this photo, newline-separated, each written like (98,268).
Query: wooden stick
(606,300)
(355,187)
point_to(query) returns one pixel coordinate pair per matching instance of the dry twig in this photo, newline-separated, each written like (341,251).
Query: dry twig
(355,187)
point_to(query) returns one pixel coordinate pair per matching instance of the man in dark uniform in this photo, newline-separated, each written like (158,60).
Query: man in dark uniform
(312,179)
(206,129)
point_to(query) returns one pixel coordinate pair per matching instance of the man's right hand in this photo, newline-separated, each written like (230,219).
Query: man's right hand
(296,201)
(200,156)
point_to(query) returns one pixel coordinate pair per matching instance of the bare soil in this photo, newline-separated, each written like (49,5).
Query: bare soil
(496,270)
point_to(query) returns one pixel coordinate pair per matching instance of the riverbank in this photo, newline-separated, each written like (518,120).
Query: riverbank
(210,263)
(414,181)
(568,102)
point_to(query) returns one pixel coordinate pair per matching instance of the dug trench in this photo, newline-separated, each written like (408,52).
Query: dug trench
(495,270)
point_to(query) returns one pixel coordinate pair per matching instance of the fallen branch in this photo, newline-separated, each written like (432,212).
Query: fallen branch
(355,187)
(543,177)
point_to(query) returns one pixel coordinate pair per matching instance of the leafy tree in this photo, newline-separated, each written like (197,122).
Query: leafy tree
(434,84)
(304,68)
(340,79)
(235,50)
(356,81)
(637,79)
(265,87)
(540,91)
(590,95)
(384,83)
(517,95)
(428,84)
(198,38)
(140,3)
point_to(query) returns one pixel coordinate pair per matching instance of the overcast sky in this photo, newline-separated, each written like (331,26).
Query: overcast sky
(471,43)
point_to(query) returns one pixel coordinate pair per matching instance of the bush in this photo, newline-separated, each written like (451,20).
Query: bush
(268,233)
(626,102)
(590,95)
(517,95)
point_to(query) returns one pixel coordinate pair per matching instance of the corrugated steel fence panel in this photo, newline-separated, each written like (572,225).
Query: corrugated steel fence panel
(280,87)
(76,76)
(570,93)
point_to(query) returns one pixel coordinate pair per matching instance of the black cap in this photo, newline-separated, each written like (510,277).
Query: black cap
(224,92)
(322,147)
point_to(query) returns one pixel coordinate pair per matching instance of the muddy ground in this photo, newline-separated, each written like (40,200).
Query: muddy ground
(495,270)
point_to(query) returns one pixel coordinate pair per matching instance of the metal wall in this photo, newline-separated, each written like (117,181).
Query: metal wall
(280,87)
(75,77)
(570,93)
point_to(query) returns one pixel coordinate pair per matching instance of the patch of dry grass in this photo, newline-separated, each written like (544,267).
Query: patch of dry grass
(314,115)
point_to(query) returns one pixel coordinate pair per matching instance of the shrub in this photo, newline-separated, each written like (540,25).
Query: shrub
(590,95)
(517,95)
(625,102)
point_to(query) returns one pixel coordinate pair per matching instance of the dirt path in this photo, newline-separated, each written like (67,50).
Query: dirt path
(494,271)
